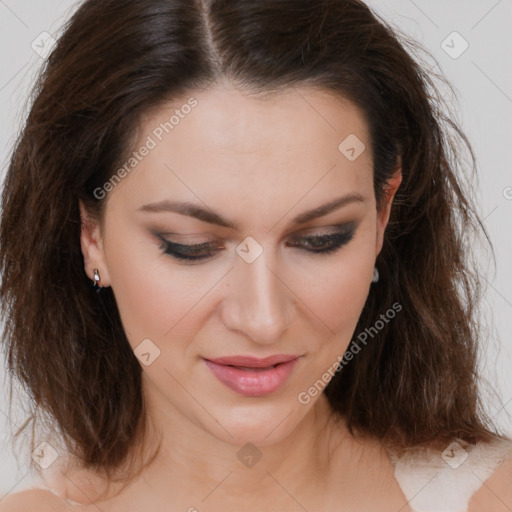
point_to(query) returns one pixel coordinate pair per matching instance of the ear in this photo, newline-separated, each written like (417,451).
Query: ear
(91,244)
(383,215)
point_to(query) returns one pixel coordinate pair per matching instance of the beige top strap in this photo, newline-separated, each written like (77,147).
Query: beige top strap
(435,481)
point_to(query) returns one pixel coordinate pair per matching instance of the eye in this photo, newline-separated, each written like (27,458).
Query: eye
(316,244)
(187,252)
(323,244)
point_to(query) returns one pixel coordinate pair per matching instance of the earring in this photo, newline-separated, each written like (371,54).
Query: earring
(97,280)
(375,276)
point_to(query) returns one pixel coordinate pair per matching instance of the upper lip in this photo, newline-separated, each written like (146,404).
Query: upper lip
(254,362)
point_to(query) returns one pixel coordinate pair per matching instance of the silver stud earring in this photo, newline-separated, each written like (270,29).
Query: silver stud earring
(375,275)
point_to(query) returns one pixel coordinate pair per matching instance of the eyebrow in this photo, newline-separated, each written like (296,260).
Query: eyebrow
(206,215)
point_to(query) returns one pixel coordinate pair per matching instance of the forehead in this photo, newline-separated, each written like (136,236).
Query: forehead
(236,121)
(222,145)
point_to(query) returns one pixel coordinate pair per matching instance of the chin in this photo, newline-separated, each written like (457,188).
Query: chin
(260,424)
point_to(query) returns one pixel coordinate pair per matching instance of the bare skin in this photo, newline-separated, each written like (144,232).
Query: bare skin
(332,487)
(258,163)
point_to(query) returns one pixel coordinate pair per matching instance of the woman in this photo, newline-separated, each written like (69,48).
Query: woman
(234,234)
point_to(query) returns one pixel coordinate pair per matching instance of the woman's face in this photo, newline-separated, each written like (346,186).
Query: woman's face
(256,176)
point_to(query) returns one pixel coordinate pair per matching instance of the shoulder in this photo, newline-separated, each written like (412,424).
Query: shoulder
(495,494)
(33,499)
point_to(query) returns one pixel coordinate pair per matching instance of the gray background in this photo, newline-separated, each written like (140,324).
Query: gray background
(482,77)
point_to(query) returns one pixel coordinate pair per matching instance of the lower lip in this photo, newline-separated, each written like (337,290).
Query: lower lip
(254,382)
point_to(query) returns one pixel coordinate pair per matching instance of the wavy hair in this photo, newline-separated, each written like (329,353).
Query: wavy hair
(415,383)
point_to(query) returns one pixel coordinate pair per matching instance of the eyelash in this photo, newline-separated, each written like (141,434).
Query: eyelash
(186,252)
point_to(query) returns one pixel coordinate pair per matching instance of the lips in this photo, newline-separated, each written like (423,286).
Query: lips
(251,376)
(254,362)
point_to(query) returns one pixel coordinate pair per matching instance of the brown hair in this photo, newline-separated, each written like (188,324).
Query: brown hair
(415,383)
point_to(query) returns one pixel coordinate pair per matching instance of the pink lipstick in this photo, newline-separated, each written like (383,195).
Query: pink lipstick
(251,376)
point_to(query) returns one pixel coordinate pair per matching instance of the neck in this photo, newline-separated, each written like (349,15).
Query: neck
(193,465)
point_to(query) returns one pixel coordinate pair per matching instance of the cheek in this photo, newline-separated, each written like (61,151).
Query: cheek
(153,295)
(335,288)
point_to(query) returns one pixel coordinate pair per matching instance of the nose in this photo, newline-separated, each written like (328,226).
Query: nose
(258,301)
